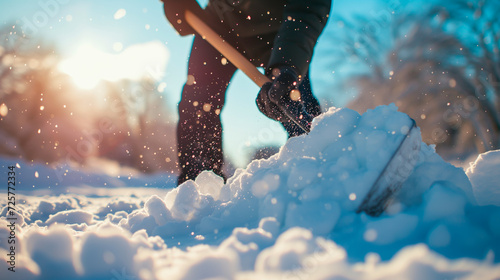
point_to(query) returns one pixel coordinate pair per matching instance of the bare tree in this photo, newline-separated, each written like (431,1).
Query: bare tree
(139,118)
(44,117)
(39,119)
(427,63)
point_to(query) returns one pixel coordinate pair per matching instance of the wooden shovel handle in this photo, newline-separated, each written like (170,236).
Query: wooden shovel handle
(226,49)
(243,64)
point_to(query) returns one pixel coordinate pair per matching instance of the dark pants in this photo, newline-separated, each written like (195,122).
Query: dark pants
(199,131)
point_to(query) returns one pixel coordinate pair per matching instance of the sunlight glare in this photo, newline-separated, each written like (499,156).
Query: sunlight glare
(88,66)
(81,67)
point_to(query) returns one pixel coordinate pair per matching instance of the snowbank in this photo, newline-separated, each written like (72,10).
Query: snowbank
(291,216)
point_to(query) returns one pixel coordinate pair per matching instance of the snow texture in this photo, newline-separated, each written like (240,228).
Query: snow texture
(485,178)
(292,216)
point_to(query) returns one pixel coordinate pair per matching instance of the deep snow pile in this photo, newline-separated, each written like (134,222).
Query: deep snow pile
(291,216)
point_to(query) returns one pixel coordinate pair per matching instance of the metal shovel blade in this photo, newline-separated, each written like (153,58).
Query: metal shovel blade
(395,173)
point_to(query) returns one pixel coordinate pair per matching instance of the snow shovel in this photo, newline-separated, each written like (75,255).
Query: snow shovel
(187,17)
(395,173)
(188,11)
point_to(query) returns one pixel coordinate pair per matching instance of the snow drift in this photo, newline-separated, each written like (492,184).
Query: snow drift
(290,216)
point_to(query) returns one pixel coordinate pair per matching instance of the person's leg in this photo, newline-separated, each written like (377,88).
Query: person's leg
(311,105)
(199,131)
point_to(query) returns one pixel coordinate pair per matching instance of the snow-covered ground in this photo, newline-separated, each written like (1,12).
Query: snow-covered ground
(292,216)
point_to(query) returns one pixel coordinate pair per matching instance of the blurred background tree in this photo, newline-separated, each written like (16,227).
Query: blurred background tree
(44,117)
(439,64)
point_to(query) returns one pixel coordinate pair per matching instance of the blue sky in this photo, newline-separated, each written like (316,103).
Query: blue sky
(70,24)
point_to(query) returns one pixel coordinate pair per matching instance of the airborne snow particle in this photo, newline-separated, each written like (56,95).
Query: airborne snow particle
(295,95)
(200,237)
(260,188)
(162,87)
(190,80)
(4,110)
(370,235)
(352,196)
(120,14)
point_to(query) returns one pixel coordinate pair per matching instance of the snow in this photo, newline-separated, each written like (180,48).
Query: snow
(292,216)
(485,178)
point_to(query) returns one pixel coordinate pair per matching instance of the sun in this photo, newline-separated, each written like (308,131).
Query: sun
(86,66)
(89,65)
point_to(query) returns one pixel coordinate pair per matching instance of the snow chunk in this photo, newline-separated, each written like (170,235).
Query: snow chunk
(53,252)
(156,208)
(188,203)
(485,178)
(213,266)
(71,217)
(105,252)
(117,206)
(293,248)
(431,168)
(46,208)
(209,183)
(248,243)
